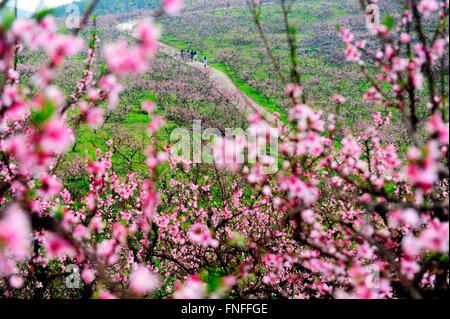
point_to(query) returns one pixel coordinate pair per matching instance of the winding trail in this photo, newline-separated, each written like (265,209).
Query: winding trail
(219,79)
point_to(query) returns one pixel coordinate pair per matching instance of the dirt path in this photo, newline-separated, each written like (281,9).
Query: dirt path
(220,80)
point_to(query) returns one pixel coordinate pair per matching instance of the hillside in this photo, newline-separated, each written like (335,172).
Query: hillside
(111,6)
(119,7)
(223,30)
(227,35)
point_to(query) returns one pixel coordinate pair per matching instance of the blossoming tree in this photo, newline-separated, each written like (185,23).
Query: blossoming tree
(343,215)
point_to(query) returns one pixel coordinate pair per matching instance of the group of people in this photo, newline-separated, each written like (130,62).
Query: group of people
(192,56)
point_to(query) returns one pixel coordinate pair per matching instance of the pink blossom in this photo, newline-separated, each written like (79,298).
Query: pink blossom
(293,90)
(399,64)
(56,137)
(270,279)
(16,282)
(438,48)
(150,201)
(106,247)
(143,280)
(88,275)
(405,38)
(422,170)
(61,46)
(123,60)
(97,223)
(339,99)
(119,232)
(346,35)
(352,54)
(228,153)
(50,186)
(199,234)
(436,237)
(437,126)
(411,246)
(427,6)
(156,123)
(409,268)
(272,260)
(306,118)
(173,7)
(81,232)
(410,217)
(148,35)
(94,117)
(113,89)
(58,247)
(148,106)
(193,288)
(373,94)
(106,295)
(377,118)
(298,189)
(15,238)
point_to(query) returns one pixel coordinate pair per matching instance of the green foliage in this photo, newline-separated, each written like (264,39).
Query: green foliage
(40,116)
(213,279)
(389,188)
(58,213)
(41,14)
(8,20)
(388,21)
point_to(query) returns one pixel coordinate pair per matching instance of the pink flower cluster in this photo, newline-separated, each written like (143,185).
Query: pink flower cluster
(200,235)
(123,59)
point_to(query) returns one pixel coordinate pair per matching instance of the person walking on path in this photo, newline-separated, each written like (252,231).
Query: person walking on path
(205,61)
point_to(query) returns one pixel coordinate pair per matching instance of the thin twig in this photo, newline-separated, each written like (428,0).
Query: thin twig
(86,16)
(256,19)
(428,63)
(290,32)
